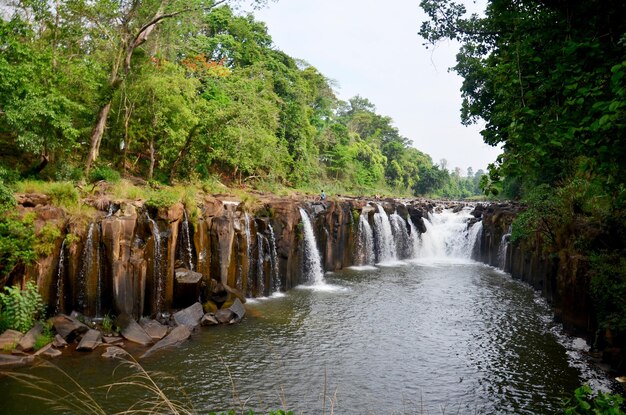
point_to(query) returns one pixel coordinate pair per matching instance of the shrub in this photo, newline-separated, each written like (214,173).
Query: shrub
(63,194)
(7,201)
(21,308)
(17,238)
(104,173)
(46,239)
(586,402)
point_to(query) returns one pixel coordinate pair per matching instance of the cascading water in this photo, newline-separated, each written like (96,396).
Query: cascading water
(186,236)
(312,264)
(274,261)
(99,281)
(158,285)
(400,236)
(60,303)
(364,253)
(86,264)
(415,239)
(385,244)
(447,235)
(502,249)
(260,266)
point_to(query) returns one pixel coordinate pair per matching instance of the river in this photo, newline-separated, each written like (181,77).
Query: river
(436,335)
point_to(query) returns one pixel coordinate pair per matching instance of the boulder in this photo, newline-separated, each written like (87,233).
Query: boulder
(154,329)
(91,340)
(112,340)
(12,360)
(189,316)
(68,327)
(48,351)
(225,316)
(131,330)
(114,352)
(209,320)
(9,339)
(27,342)
(59,341)
(238,309)
(187,286)
(178,335)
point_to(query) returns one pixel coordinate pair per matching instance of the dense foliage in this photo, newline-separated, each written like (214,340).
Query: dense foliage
(19,309)
(188,91)
(548,78)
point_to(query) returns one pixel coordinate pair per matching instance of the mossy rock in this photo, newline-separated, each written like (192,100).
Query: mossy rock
(209,307)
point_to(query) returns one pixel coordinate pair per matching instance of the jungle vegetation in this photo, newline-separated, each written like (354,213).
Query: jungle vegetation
(181,91)
(548,78)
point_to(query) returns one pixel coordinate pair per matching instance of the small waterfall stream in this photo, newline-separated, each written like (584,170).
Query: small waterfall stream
(385,244)
(260,288)
(503,249)
(86,264)
(158,283)
(186,240)
(275,280)
(60,285)
(312,264)
(364,253)
(400,236)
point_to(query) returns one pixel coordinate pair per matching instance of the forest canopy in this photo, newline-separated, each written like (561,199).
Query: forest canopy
(175,91)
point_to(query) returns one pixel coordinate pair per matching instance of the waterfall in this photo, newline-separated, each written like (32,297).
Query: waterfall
(312,264)
(400,235)
(186,239)
(158,279)
(385,244)
(260,269)
(99,280)
(448,235)
(415,239)
(247,232)
(60,301)
(502,249)
(364,254)
(86,264)
(275,280)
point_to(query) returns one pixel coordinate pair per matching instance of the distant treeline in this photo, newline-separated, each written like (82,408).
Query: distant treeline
(182,91)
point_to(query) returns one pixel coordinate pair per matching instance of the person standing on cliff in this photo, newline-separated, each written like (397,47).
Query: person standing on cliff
(323,196)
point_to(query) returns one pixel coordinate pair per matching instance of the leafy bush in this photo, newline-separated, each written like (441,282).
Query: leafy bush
(104,173)
(608,290)
(65,172)
(162,198)
(63,194)
(7,201)
(46,239)
(17,238)
(8,176)
(586,402)
(21,308)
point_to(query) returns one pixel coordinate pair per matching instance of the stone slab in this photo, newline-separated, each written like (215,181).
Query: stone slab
(178,335)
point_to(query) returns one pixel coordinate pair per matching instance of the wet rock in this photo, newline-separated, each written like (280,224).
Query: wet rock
(91,340)
(187,285)
(190,316)
(114,352)
(178,335)
(7,360)
(32,199)
(112,340)
(225,316)
(27,342)
(68,327)
(238,309)
(131,330)
(48,351)
(209,320)
(154,329)
(9,339)
(59,341)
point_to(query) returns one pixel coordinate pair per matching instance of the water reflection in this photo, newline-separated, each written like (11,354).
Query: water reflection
(391,340)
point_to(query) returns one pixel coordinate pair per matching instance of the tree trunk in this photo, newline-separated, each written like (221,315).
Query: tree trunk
(96,135)
(152,158)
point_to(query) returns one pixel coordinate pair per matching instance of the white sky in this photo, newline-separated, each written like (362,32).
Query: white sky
(371,48)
